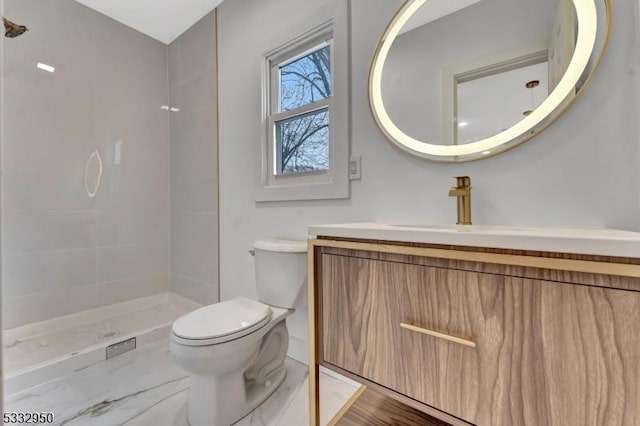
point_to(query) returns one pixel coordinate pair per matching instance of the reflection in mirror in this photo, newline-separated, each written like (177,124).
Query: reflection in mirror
(487,105)
(486,74)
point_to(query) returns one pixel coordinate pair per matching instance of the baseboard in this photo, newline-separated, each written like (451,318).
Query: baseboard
(298,350)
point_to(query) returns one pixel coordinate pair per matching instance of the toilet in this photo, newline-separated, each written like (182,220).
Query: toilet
(235,350)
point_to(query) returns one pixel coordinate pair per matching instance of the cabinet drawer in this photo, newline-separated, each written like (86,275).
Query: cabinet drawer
(545,353)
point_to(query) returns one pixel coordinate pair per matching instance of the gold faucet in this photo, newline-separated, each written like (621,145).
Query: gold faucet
(462,191)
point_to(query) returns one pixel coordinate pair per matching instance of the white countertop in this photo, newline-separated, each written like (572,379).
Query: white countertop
(594,241)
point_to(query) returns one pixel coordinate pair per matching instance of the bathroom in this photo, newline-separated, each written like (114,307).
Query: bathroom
(134,185)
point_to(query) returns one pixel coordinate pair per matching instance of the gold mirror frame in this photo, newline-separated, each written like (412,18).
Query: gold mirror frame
(589,32)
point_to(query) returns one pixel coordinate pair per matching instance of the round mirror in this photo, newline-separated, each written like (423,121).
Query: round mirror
(459,80)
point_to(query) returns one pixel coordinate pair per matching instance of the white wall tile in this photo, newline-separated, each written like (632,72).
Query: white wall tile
(194,195)
(195,262)
(122,262)
(200,292)
(31,273)
(189,129)
(47,231)
(196,162)
(131,288)
(194,182)
(197,94)
(192,52)
(41,306)
(108,86)
(40,190)
(118,228)
(195,229)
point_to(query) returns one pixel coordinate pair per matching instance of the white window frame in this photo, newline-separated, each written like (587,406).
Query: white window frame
(313,185)
(273,151)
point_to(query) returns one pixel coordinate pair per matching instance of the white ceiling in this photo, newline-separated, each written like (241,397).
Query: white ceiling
(163,20)
(435,9)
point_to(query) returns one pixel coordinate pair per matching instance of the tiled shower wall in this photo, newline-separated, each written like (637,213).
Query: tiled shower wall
(63,251)
(194,182)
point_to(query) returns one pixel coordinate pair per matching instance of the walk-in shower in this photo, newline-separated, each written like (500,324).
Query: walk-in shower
(85,207)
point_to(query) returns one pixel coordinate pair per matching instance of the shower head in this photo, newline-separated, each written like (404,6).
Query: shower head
(13,30)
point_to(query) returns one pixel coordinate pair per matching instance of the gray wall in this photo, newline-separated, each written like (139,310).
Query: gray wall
(194,182)
(582,171)
(64,252)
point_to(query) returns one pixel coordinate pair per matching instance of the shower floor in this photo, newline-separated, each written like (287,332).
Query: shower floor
(36,353)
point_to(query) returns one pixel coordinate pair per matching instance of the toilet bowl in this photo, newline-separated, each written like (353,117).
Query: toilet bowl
(235,350)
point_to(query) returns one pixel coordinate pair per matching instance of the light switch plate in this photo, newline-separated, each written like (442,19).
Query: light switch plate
(355,167)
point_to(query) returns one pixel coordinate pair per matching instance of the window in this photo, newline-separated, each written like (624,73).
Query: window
(301,111)
(305,147)
(301,95)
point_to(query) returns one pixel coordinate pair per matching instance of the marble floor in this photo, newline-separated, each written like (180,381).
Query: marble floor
(147,387)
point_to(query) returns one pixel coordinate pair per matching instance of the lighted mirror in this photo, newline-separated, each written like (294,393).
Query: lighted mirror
(459,80)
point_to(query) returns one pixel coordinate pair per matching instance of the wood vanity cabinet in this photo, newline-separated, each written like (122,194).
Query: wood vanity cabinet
(481,342)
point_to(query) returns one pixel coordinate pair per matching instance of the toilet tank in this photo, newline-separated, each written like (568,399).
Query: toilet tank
(281,272)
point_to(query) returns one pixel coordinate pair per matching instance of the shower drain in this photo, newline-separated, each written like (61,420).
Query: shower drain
(121,347)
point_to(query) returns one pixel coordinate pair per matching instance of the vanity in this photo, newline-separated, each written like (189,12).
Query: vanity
(479,325)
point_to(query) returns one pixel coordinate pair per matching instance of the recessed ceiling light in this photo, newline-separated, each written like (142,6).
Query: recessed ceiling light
(45,67)
(174,109)
(165,107)
(462,124)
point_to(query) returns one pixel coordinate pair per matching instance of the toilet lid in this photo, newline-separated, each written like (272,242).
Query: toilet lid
(221,319)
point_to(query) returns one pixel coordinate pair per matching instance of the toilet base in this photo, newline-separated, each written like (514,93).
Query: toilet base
(256,395)
(221,400)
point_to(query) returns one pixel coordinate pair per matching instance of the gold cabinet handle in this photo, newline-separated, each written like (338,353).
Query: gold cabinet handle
(428,332)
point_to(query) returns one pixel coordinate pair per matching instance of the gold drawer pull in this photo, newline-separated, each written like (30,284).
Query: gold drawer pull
(412,327)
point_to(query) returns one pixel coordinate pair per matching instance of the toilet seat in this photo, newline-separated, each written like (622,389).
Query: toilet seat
(221,322)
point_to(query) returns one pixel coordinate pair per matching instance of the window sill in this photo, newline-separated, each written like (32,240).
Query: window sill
(332,190)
